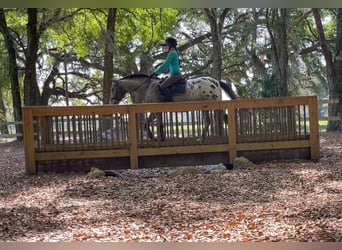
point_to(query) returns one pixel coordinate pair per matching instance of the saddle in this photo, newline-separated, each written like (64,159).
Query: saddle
(177,88)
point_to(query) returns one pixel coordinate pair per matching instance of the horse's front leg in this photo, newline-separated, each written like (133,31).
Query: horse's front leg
(206,122)
(145,122)
(149,121)
(160,127)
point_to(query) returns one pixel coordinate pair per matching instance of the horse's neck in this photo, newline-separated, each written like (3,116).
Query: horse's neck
(133,85)
(142,90)
(136,98)
(137,90)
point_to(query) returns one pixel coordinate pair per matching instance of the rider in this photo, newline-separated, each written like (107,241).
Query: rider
(171,64)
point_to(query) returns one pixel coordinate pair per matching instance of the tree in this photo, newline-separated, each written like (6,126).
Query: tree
(70,53)
(108,58)
(278,24)
(12,69)
(3,128)
(260,69)
(138,34)
(216,22)
(333,66)
(31,90)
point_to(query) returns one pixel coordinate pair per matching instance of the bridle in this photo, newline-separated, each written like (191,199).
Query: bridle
(116,84)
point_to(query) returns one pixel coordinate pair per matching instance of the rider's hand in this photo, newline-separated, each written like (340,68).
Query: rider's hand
(153,75)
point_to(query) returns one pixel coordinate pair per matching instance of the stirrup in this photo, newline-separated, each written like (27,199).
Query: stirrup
(167,95)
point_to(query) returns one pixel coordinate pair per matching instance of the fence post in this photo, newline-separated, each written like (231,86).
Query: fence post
(232,132)
(133,142)
(314,128)
(29,148)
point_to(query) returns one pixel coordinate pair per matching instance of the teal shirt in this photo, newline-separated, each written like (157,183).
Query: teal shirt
(171,63)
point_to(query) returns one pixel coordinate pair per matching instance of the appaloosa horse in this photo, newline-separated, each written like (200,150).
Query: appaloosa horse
(144,89)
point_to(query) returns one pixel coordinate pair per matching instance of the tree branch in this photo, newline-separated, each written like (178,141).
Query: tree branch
(185,46)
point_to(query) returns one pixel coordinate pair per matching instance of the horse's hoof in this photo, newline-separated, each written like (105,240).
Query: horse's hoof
(199,140)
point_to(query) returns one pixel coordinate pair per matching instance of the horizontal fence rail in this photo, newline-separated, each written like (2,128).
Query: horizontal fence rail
(11,132)
(329,118)
(117,136)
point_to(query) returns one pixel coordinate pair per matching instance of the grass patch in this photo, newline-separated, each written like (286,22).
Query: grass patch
(322,125)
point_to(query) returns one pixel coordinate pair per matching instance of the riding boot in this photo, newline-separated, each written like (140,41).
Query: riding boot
(167,94)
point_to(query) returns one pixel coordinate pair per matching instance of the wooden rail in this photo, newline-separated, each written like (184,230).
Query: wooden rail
(330,118)
(13,134)
(11,129)
(114,136)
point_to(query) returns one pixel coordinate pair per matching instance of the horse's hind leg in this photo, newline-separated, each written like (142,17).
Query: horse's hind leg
(219,122)
(149,121)
(160,127)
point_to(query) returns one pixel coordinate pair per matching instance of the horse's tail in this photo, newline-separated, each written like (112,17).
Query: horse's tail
(228,89)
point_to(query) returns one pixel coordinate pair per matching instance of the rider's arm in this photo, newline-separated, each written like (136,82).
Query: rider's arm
(165,66)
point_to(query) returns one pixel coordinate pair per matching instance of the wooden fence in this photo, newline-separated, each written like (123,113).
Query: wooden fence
(8,129)
(329,118)
(12,133)
(114,136)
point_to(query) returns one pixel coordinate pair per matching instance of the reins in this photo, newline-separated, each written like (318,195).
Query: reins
(116,84)
(142,83)
(136,88)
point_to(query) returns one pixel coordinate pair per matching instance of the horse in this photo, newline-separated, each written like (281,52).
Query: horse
(144,89)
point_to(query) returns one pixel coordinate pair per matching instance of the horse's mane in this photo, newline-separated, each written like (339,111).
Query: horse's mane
(133,76)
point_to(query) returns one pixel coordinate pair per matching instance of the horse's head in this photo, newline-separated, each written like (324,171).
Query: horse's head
(137,85)
(117,92)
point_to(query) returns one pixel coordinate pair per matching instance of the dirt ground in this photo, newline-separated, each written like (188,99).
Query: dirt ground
(274,201)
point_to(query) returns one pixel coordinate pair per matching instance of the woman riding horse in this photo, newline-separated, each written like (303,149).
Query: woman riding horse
(144,89)
(171,64)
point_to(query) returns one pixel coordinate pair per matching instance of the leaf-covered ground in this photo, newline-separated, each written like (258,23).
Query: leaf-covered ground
(273,201)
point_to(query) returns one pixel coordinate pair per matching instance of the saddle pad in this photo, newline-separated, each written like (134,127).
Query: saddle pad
(179,87)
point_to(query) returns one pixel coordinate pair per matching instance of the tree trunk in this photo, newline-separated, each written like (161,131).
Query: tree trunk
(31,90)
(333,68)
(109,54)
(47,90)
(146,63)
(337,108)
(13,72)
(278,33)
(283,51)
(216,26)
(3,128)
(259,66)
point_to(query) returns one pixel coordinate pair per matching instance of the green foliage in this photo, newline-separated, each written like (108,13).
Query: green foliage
(79,33)
(5,84)
(144,28)
(4,75)
(242,162)
(2,115)
(95,172)
(269,86)
(82,33)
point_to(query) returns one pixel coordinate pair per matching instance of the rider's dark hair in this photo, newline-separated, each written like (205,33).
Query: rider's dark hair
(170,41)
